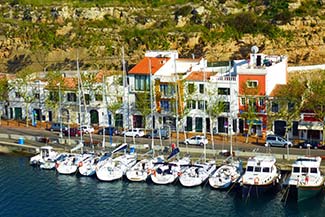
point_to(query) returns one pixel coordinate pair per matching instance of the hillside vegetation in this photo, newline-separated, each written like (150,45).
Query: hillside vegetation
(50,35)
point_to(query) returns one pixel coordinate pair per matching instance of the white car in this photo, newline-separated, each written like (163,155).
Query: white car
(87,129)
(196,140)
(134,133)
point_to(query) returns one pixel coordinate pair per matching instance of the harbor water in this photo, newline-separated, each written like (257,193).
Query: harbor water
(28,191)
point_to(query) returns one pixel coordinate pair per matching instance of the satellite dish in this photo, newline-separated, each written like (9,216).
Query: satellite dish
(254,49)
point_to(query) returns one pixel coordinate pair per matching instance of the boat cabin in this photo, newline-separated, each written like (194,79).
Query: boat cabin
(260,164)
(306,165)
(46,151)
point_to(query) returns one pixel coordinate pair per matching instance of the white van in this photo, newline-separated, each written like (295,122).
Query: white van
(273,140)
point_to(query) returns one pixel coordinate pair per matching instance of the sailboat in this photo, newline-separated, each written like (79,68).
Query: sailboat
(142,169)
(227,175)
(168,172)
(69,165)
(197,174)
(114,168)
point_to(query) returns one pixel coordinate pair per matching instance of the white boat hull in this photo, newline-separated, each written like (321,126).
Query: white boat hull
(66,169)
(137,175)
(108,174)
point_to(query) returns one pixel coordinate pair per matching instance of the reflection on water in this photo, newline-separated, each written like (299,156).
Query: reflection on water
(29,191)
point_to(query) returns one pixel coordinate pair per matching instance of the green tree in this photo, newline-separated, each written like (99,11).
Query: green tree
(4,93)
(316,97)
(23,86)
(291,99)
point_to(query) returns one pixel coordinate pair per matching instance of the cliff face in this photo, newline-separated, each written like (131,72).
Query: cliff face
(49,37)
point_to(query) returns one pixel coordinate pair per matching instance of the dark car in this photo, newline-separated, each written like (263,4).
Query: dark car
(57,127)
(108,131)
(164,134)
(313,144)
(73,132)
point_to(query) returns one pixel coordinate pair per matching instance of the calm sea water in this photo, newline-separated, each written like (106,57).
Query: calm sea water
(28,191)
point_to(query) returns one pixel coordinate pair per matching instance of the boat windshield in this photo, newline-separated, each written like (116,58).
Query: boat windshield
(250,169)
(257,169)
(296,169)
(304,170)
(266,170)
(313,170)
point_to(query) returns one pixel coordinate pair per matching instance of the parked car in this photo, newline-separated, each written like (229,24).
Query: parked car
(87,129)
(164,134)
(313,144)
(57,127)
(108,131)
(273,140)
(73,132)
(136,132)
(196,140)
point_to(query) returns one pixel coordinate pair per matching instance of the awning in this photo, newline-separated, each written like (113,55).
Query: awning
(310,125)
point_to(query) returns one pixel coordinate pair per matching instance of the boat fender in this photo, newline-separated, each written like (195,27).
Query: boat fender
(256,180)
(179,173)
(80,164)
(306,179)
(154,172)
(232,178)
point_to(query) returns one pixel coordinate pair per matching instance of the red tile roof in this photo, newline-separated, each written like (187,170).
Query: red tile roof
(198,76)
(142,68)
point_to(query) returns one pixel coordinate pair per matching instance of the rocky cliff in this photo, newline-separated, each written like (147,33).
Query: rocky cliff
(50,37)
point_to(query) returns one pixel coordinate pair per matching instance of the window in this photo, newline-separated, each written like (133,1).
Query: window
(251,83)
(165,106)
(225,106)
(257,169)
(261,101)
(266,170)
(87,98)
(167,90)
(304,170)
(17,95)
(291,107)
(313,170)
(36,95)
(242,101)
(224,91)
(54,96)
(201,88)
(190,88)
(99,97)
(250,169)
(71,97)
(296,169)
(275,107)
(141,82)
(202,104)
(191,104)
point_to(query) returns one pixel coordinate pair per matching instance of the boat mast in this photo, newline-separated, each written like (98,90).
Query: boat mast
(151,108)
(204,110)
(125,106)
(105,105)
(176,102)
(230,121)
(79,100)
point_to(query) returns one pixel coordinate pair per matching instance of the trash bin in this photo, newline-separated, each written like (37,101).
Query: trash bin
(21,141)
(132,150)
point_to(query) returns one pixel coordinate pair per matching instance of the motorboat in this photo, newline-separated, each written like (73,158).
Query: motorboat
(305,180)
(227,175)
(46,153)
(197,174)
(261,175)
(142,169)
(114,168)
(70,164)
